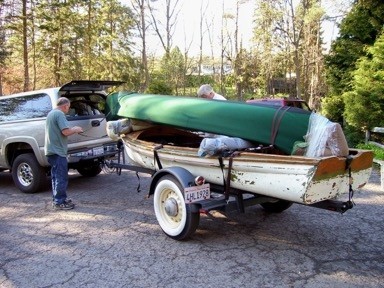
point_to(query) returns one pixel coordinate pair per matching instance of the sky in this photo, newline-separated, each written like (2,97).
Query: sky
(187,30)
(190,21)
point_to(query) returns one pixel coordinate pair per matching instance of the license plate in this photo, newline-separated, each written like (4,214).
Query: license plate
(196,193)
(98,151)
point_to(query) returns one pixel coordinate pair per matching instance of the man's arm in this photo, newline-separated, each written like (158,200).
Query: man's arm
(72,130)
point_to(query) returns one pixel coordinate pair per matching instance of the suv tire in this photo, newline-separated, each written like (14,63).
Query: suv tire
(27,174)
(90,170)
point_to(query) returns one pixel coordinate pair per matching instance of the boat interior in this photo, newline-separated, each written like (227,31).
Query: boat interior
(166,135)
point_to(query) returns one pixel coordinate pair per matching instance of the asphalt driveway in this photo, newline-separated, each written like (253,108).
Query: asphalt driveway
(112,239)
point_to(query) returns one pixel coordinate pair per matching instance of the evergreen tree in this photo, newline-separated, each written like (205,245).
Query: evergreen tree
(358,30)
(172,69)
(364,104)
(72,40)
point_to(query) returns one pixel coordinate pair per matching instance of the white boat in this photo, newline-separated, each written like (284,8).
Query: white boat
(293,178)
(278,180)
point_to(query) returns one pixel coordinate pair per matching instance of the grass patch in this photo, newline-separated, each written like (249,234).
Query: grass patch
(377,151)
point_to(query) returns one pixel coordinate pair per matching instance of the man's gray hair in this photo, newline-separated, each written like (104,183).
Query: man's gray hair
(62,101)
(204,89)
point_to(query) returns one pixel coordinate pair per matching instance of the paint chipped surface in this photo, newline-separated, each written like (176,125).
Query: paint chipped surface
(293,178)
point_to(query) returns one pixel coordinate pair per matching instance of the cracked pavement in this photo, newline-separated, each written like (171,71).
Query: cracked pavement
(112,239)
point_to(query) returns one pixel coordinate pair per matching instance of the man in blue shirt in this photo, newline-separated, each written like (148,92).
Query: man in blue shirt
(57,131)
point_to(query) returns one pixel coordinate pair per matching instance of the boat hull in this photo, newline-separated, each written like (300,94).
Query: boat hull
(293,178)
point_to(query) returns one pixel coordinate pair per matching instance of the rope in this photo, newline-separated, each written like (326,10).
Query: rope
(222,170)
(350,202)
(227,181)
(156,158)
(138,186)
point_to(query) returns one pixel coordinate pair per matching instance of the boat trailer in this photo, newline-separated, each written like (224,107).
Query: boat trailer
(228,198)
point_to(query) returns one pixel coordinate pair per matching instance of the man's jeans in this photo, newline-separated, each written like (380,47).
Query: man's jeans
(59,175)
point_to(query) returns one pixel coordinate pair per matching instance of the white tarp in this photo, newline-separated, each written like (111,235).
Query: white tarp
(214,146)
(325,138)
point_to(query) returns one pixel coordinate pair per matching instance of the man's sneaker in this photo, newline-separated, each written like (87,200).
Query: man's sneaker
(64,206)
(68,200)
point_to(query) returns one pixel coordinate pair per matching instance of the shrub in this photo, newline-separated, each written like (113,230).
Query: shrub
(377,151)
(159,87)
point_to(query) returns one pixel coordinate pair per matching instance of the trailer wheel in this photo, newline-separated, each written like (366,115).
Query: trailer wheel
(276,207)
(174,216)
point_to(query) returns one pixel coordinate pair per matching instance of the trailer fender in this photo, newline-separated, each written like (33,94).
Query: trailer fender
(185,178)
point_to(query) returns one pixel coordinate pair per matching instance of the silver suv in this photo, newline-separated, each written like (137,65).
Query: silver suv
(22,128)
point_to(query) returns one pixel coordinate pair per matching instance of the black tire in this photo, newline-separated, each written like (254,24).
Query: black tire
(91,170)
(27,174)
(276,207)
(181,222)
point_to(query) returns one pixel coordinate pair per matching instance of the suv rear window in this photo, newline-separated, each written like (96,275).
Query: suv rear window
(86,105)
(25,107)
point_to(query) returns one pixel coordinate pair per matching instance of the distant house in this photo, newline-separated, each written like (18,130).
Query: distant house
(211,69)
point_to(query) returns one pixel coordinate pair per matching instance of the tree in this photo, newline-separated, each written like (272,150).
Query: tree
(364,103)
(287,35)
(238,57)
(293,27)
(56,35)
(3,47)
(265,40)
(164,27)
(12,24)
(114,45)
(203,12)
(312,62)
(357,30)
(248,72)
(173,71)
(25,46)
(223,47)
(140,8)
(70,40)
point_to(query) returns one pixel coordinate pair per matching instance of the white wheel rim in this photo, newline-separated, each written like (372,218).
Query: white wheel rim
(171,225)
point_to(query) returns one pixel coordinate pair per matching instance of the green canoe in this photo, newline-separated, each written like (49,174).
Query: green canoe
(267,125)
